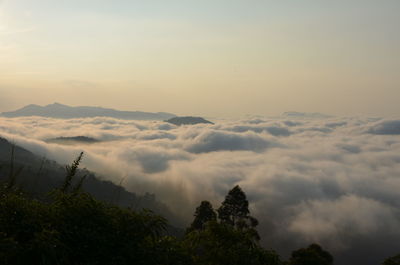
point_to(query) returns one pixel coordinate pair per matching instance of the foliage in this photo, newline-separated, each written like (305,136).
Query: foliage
(220,244)
(312,255)
(235,211)
(232,240)
(71,172)
(71,227)
(204,213)
(38,176)
(395,260)
(234,208)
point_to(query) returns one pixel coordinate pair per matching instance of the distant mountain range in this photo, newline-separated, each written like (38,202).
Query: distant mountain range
(73,139)
(311,115)
(188,120)
(61,111)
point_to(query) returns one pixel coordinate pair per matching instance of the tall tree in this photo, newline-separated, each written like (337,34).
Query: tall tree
(204,213)
(235,210)
(313,255)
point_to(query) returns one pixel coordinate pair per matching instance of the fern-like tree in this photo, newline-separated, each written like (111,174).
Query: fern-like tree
(235,210)
(204,214)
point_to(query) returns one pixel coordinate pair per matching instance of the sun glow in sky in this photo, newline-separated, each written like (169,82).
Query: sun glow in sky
(216,58)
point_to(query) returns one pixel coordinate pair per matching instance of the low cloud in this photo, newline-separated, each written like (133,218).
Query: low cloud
(331,181)
(332,220)
(212,140)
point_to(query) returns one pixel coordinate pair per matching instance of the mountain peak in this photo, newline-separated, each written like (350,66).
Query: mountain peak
(56,104)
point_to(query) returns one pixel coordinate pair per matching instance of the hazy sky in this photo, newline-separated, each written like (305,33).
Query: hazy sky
(213,58)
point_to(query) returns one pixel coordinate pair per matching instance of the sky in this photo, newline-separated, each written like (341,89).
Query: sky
(211,58)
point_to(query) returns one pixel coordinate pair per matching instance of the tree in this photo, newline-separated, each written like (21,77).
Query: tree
(204,213)
(222,244)
(395,260)
(313,255)
(235,210)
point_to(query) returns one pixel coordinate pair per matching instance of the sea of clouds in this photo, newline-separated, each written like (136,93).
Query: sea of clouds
(335,181)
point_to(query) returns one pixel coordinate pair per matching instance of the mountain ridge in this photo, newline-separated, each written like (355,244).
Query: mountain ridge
(188,120)
(57,110)
(311,115)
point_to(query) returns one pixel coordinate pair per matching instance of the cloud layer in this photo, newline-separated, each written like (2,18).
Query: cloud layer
(333,181)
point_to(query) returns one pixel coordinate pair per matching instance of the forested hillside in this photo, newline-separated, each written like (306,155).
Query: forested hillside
(39,175)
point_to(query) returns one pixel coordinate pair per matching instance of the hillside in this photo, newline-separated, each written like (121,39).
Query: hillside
(40,175)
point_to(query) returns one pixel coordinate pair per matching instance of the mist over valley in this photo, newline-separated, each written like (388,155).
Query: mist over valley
(309,178)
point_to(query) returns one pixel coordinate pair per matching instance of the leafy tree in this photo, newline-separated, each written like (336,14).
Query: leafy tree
(222,244)
(235,210)
(395,260)
(312,255)
(204,213)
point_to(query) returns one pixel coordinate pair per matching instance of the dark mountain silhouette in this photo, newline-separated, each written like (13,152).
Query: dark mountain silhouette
(57,110)
(73,140)
(187,120)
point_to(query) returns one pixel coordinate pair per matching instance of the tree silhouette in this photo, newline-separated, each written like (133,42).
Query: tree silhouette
(235,210)
(71,172)
(222,244)
(313,255)
(204,213)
